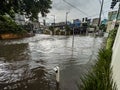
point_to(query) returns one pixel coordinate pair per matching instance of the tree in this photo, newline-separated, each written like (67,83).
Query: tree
(103,27)
(7,25)
(67,28)
(30,8)
(51,28)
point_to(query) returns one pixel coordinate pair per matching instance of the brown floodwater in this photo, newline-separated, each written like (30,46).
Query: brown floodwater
(27,64)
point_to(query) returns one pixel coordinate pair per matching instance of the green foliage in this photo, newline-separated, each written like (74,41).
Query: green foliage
(103,27)
(111,38)
(113,33)
(51,28)
(30,8)
(12,13)
(7,25)
(100,78)
(67,28)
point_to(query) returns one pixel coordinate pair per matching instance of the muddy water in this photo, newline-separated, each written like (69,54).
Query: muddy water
(27,64)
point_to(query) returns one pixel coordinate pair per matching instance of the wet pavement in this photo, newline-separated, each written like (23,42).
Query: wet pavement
(27,64)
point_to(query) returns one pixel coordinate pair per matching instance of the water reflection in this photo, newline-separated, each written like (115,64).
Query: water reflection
(14,52)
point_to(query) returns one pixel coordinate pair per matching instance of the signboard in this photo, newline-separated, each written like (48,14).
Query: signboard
(112,15)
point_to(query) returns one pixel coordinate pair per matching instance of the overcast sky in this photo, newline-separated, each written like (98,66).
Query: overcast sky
(88,8)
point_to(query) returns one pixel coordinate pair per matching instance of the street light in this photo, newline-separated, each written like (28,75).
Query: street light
(66,17)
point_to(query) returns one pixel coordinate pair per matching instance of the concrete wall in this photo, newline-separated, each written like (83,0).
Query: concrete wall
(95,21)
(116,60)
(111,25)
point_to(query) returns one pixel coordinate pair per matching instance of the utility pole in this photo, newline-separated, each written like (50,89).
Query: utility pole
(66,23)
(66,17)
(44,22)
(100,13)
(53,23)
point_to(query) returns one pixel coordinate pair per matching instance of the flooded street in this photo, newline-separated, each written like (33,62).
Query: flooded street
(27,64)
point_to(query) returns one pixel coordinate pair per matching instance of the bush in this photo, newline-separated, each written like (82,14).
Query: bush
(100,78)
(67,28)
(7,25)
(51,28)
(103,27)
(111,38)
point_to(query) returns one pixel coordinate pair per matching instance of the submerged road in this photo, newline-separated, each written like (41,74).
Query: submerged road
(27,64)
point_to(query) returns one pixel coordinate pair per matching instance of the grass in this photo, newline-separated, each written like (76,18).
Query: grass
(111,38)
(100,78)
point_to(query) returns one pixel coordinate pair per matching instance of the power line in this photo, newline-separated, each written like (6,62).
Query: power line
(95,14)
(89,16)
(82,11)
(98,13)
(65,6)
(76,8)
(107,2)
(100,2)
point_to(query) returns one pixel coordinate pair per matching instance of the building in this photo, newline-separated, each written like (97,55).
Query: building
(112,20)
(89,21)
(95,21)
(76,23)
(60,25)
(36,25)
(20,19)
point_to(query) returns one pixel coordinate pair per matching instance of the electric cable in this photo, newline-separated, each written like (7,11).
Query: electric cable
(76,8)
